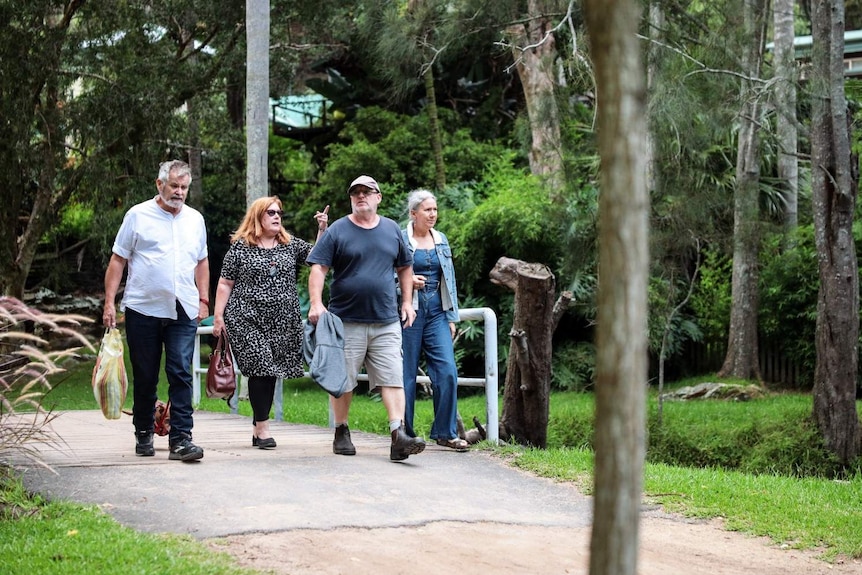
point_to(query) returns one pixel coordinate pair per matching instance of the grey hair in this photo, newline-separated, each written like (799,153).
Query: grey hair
(179,166)
(416,197)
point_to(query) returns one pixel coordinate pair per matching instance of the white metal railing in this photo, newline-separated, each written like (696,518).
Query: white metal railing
(489,381)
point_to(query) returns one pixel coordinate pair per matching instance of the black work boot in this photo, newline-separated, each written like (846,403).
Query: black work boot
(342,444)
(144,444)
(403,446)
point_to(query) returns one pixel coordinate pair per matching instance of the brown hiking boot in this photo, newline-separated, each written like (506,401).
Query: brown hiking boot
(403,446)
(342,444)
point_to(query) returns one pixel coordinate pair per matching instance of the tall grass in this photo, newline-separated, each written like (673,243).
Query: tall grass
(28,368)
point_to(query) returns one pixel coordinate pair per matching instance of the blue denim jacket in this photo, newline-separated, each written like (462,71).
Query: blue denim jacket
(448,289)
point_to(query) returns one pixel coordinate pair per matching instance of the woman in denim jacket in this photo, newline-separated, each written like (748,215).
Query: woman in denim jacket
(435,299)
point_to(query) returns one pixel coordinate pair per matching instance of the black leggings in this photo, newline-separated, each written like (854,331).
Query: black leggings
(261,390)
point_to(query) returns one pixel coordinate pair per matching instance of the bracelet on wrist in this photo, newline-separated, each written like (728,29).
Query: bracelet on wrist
(205,301)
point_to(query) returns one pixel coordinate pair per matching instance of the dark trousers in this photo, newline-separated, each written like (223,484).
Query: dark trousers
(147,336)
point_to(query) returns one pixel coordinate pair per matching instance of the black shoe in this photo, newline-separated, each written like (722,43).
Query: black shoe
(184,450)
(342,444)
(144,444)
(268,443)
(403,446)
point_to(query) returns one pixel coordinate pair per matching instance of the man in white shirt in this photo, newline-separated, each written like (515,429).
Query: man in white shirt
(164,243)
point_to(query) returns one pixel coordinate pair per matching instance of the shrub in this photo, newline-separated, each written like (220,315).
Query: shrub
(711,297)
(573,366)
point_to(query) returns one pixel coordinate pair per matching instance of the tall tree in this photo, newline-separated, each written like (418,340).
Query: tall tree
(534,50)
(834,186)
(621,342)
(785,105)
(410,48)
(257,100)
(656,34)
(89,94)
(742,357)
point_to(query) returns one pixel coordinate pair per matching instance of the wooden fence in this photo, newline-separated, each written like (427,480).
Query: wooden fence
(774,366)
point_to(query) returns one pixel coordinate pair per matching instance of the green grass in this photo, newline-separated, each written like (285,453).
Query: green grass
(802,512)
(808,513)
(305,402)
(58,538)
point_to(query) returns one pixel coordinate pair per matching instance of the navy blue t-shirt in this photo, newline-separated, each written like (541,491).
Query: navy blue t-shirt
(363,263)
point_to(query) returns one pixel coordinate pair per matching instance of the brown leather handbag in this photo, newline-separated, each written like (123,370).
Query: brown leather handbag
(221,377)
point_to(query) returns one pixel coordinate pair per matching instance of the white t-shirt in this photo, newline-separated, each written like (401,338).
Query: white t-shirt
(163,251)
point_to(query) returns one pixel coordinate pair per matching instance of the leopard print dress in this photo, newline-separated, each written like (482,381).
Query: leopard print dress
(262,315)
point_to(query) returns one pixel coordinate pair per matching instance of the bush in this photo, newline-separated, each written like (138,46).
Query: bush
(789,282)
(573,366)
(395,150)
(711,297)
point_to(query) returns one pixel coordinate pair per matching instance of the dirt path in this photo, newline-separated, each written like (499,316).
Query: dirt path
(669,546)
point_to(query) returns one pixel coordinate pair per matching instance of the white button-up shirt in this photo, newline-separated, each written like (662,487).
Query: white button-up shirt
(162,251)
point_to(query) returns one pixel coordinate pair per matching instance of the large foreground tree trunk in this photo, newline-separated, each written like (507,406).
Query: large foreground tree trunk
(742,357)
(834,182)
(621,342)
(527,388)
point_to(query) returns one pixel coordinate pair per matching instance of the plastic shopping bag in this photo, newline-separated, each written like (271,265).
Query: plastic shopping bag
(109,376)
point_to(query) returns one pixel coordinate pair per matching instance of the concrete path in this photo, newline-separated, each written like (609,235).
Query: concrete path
(238,489)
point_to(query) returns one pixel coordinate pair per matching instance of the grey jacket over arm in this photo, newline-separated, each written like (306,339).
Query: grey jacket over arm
(323,350)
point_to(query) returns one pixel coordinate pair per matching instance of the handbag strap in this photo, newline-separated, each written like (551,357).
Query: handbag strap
(225,342)
(221,343)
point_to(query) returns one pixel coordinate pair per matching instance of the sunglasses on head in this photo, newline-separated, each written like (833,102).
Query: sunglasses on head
(271,213)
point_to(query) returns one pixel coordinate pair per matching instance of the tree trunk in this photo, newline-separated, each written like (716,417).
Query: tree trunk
(527,388)
(654,52)
(834,182)
(621,341)
(434,124)
(415,9)
(534,50)
(257,100)
(785,104)
(742,357)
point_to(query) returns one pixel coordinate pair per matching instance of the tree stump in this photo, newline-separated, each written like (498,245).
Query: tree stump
(527,387)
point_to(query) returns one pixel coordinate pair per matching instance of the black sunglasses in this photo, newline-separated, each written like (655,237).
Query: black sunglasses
(361,191)
(271,213)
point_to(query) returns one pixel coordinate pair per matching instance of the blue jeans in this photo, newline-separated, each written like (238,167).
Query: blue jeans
(146,336)
(430,334)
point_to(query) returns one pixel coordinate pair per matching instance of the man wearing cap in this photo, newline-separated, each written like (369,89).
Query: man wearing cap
(362,249)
